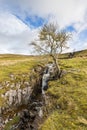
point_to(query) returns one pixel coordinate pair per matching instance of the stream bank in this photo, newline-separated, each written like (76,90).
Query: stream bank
(16,96)
(32,113)
(31,118)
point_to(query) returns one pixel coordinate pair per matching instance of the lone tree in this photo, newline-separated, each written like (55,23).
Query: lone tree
(51,41)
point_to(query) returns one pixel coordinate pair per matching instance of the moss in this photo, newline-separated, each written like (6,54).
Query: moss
(68,96)
(2,101)
(17,65)
(62,121)
(12,122)
(67,107)
(21,69)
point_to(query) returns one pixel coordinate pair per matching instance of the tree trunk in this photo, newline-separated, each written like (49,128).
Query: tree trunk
(57,66)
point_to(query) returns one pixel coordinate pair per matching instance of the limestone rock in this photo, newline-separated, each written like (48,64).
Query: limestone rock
(19,96)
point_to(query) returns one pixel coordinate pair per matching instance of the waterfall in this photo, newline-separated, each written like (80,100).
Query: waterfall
(46,76)
(30,116)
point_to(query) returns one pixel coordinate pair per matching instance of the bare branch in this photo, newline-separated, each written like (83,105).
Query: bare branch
(51,41)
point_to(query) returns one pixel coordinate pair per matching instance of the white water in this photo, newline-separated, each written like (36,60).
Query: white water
(46,76)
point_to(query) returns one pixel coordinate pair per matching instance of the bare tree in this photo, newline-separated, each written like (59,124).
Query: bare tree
(51,41)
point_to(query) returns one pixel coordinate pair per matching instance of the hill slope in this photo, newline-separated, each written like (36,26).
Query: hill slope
(67,108)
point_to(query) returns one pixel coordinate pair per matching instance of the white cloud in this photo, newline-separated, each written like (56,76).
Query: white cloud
(85,45)
(65,12)
(10,25)
(14,34)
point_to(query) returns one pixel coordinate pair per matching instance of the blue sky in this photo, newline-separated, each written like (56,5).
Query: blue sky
(20,21)
(32,21)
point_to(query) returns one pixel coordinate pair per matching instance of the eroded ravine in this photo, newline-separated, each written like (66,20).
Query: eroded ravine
(31,118)
(32,115)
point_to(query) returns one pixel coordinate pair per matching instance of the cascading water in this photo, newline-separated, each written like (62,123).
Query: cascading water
(46,76)
(30,117)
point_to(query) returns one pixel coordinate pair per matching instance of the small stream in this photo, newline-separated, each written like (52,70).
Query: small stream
(46,76)
(31,117)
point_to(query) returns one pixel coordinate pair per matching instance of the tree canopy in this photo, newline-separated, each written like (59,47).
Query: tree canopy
(51,41)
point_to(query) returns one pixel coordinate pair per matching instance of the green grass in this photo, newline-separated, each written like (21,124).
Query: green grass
(16,65)
(12,122)
(67,108)
(63,121)
(82,53)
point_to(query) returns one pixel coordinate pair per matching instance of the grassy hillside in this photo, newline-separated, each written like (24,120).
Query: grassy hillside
(16,66)
(67,96)
(67,108)
(82,53)
(19,67)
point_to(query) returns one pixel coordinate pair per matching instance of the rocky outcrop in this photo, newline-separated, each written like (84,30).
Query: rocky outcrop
(31,118)
(15,97)
(27,91)
(18,92)
(18,97)
(49,74)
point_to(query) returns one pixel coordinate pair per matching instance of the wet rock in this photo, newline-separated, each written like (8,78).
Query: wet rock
(45,79)
(26,118)
(31,127)
(24,113)
(40,113)
(6,121)
(33,105)
(32,116)
(49,73)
